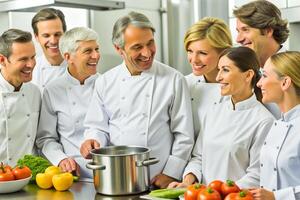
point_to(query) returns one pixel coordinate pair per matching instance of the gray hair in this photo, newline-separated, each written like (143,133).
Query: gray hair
(68,43)
(11,36)
(133,18)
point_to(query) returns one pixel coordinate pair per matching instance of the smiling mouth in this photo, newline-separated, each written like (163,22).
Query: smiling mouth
(198,67)
(92,64)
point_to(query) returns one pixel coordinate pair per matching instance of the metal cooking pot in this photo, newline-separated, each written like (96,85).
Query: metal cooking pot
(121,170)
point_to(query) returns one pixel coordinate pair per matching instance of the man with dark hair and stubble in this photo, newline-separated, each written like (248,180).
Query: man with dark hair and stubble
(20,100)
(48,26)
(261,28)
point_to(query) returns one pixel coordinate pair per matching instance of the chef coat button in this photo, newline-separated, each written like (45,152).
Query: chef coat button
(147,95)
(28,115)
(43,85)
(28,136)
(150,78)
(275,169)
(287,126)
(9,158)
(273,190)
(261,165)
(123,79)
(8,117)
(122,98)
(277,147)
(265,143)
(9,139)
(144,114)
(275,123)
(4,96)
(74,103)
(261,186)
(23,95)
(143,133)
(43,68)
(192,99)
(199,81)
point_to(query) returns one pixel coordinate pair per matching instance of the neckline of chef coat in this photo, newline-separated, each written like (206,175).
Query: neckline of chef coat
(291,114)
(148,72)
(243,105)
(47,64)
(74,81)
(6,85)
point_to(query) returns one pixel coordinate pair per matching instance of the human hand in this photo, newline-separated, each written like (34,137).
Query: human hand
(176,184)
(69,165)
(162,181)
(87,146)
(262,194)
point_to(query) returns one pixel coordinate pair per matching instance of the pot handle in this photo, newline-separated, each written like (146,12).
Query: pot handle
(91,165)
(151,161)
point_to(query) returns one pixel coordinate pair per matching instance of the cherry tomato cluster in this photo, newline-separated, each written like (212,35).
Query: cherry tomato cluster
(7,173)
(217,190)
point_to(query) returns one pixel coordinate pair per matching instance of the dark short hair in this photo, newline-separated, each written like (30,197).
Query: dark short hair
(11,36)
(262,14)
(48,14)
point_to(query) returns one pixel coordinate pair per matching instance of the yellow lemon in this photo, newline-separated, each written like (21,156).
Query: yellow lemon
(63,181)
(52,170)
(44,180)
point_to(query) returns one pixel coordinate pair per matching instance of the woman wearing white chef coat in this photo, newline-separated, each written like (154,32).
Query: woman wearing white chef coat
(65,102)
(280,154)
(233,130)
(204,41)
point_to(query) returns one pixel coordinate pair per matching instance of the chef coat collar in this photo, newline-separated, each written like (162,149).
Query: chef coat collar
(145,73)
(74,81)
(6,86)
(63,64)
(244,105)
(291,114)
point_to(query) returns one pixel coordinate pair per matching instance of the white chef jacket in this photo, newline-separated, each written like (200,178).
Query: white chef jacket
(152,110)
(229,142)
(19,113)
(280,157)
(60,130)
(44,72)
(203,95)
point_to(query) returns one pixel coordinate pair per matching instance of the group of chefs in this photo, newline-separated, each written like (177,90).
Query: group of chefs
(237,116)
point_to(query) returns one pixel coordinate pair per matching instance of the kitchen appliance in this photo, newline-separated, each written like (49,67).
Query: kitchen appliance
(121,170)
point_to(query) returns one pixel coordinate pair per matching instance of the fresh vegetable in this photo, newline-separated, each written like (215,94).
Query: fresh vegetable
(63,181)
(75,178)
(6,173)
(52,170)
(44,180)
(36,164)
(168,193)
(209,194)
(216,185)
(21,172)
(229,187)
(193,190)
(243,195)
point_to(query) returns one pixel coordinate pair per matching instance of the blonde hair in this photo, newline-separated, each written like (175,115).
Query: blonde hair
(213,29)
(288,64)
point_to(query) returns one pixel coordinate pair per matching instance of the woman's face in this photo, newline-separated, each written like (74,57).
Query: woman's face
(233,81)
(203,57)
(270,84)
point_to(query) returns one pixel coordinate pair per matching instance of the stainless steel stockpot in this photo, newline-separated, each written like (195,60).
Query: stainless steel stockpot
(121,170)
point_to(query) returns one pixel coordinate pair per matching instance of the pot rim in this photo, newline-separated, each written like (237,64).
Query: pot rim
(147,150)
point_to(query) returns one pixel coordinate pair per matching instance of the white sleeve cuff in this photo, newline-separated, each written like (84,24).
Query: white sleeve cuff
(174,167)
(285,194)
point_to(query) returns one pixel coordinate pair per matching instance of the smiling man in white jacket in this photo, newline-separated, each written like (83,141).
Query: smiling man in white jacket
(19,100)
(142,102)
(65,102)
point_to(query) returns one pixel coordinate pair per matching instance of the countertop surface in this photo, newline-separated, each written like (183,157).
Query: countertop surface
(78,191)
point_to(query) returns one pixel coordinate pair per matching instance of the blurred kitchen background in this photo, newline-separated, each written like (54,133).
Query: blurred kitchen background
(171,19)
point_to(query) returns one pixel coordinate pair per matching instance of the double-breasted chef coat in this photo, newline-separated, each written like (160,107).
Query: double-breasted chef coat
(19,112)
(152,110)
(60,131)
(280,157)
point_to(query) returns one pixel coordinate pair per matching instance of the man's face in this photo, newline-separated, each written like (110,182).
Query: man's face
(139,49)
(18,67)
(85,59)
(49,33)
(250,37)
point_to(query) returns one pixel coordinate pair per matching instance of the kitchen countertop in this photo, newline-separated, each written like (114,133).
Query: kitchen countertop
(78,191)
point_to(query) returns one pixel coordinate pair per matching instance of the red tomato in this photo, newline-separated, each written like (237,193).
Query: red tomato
(21,172)
(209,194)
(216,185)
(244,195)
(231,196)
(192,191)
(5,173)
(229,187)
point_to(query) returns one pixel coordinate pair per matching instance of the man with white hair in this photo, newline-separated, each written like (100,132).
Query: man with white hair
(65,100)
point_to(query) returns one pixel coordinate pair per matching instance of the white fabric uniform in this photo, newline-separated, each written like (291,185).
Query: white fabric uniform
(60,130)
(229,142)
(152,109)
(44,72)
(19,113)
(203,95)
(280,157)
